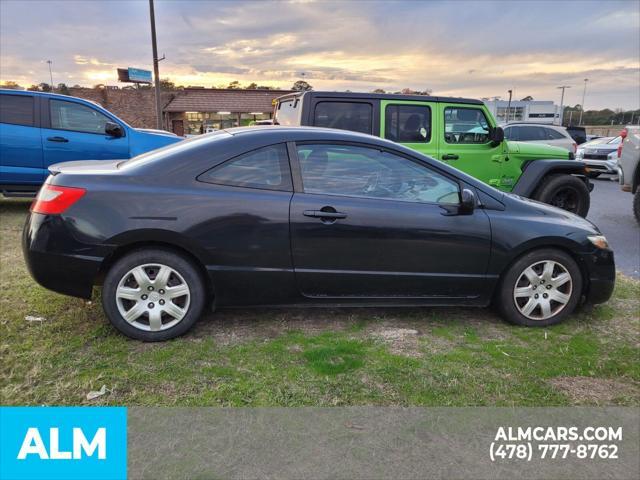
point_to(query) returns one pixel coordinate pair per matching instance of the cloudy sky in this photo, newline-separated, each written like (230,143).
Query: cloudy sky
(461,48)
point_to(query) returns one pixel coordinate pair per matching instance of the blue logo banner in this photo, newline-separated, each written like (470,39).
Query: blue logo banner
(63,443)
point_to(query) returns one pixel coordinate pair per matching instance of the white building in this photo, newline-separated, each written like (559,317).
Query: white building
(544,111)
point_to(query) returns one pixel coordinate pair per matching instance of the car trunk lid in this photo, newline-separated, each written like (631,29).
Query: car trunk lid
(86,167)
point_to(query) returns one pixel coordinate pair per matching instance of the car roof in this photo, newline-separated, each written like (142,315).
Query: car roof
(34,92)
(293,133)
(382,96)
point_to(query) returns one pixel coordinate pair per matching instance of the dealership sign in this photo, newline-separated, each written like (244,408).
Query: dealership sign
(134,75)
(63,443)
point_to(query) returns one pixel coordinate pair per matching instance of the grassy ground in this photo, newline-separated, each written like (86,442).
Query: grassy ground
(310,357)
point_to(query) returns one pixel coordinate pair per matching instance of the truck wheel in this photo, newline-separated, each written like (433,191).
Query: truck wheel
(566,192)
(636,205)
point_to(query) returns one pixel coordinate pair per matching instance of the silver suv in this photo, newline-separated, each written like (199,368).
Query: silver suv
(629,166)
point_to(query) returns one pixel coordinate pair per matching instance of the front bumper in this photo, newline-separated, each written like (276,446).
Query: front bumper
(600,272)
(56,259)
(601,166)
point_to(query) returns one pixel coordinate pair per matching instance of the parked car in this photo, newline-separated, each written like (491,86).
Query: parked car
(39,129)
(629,165)
(579,134)
(541,133)
(600,155)
(460,132)
(302,216)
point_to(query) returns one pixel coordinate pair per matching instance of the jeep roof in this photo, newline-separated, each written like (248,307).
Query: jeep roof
(382,96)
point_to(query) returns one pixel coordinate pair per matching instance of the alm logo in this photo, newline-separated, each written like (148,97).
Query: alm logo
(63,443)
(33,445)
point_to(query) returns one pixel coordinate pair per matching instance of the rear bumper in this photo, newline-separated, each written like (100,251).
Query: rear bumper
(56,259)
(601,274)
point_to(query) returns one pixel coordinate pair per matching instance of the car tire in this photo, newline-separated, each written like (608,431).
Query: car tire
(557,283)
(636,205)
(153,294)
(565,191)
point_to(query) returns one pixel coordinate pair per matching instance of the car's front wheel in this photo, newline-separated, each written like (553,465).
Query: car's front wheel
(153,294)
(541,288)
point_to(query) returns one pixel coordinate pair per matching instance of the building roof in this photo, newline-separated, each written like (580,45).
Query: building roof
(224,100)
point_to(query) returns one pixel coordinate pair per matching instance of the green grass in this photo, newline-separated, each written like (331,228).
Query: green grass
(294,357)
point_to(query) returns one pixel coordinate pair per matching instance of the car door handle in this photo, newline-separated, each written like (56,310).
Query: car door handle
(324,215)
(58,139)
(450,156)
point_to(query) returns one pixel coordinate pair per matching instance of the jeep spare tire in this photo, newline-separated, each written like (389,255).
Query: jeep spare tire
(566,192)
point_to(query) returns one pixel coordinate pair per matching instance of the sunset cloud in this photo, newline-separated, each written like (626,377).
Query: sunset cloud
(465,48)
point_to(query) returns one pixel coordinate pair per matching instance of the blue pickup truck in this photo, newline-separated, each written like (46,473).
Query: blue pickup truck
(39,129)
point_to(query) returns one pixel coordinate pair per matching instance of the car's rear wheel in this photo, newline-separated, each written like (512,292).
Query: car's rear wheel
(153,294)
(541,288)
(566,192)
(636,205)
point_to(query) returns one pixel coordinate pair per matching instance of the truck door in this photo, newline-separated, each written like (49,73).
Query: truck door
(20,146)
(77,132)
(409,123)
(465,144)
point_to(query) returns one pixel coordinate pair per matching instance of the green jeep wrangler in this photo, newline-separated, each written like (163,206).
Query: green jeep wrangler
(460,132)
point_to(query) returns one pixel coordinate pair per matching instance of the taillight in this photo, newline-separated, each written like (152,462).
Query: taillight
(619,150)
(54,199)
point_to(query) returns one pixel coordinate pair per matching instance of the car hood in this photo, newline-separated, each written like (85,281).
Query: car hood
(153,131)
(601,146)
(537,150)
(550,213)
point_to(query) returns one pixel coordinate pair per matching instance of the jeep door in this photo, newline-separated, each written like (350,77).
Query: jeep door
(465,144)
(409,123)
(371,223)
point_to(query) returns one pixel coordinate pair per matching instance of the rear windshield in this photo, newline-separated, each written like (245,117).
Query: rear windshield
(174,148)
(288,112)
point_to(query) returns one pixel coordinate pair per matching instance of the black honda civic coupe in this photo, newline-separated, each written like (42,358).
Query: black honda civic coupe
(302,216)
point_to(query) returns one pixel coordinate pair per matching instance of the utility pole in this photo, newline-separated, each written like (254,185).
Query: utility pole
(156,60)
(584,91)
(509,106)
(50,74)
(563,87)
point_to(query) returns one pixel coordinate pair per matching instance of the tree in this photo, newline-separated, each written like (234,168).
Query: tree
(11,85)
(378,90)
(301,86)
(528,98)
(409,91)
(252,86)
(62,88)
(234,85)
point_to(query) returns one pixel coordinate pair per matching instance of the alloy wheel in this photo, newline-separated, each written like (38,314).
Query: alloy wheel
(153,297)
(543,290)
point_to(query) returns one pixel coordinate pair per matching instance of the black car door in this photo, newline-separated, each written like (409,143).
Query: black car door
(368,223)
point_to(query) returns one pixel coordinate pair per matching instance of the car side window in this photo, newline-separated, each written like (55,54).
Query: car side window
(553,134)
(465,125)
(353,116)
(362,172)
(76,117)
(266,168)
(17,110)
(511,133)
(529,133)
(407,123)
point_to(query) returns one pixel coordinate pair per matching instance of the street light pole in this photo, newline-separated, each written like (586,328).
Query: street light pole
(156,70)
(50,74)
(508,106)
(563,87)
(584,91)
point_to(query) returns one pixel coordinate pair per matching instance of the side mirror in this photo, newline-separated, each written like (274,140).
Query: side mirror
(113,129)
(496,135)
(468,201)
